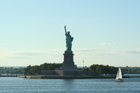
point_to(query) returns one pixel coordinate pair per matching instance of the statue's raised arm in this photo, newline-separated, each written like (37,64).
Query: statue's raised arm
(65,29)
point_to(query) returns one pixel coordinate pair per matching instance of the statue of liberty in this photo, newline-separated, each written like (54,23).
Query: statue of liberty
(69,40)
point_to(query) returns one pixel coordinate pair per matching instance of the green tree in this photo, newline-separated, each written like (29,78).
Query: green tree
(31,70)
(50,67)
(27,70)
(36,70)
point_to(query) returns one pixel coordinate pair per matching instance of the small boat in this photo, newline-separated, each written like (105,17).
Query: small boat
(119,76)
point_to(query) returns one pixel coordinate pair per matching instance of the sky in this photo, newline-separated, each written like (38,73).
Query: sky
(105,32)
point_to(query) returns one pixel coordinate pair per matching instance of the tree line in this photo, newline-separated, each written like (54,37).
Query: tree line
(98,69)
(103,69)
(130,70)
(36,70)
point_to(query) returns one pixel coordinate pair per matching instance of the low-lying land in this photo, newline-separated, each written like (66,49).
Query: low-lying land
(8,75)
(68,77)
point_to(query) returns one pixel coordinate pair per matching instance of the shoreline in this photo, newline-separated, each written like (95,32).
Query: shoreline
(70,77)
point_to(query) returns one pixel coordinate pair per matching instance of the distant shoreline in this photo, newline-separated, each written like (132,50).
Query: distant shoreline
(131,73)
(69,77)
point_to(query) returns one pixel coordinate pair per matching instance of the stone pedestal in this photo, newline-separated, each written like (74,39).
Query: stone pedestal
(68,63)
(68,59)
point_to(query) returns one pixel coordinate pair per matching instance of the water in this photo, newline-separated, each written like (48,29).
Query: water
(131,74)
(22,85)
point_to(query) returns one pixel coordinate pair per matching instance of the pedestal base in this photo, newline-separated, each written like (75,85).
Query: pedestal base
(68,63)
(66,72)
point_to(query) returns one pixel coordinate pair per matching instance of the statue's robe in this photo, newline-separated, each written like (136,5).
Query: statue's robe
(69,40)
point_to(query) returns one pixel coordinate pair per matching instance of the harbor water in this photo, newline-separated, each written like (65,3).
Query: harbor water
(23,85)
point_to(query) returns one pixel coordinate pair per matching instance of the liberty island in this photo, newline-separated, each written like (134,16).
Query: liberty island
(68,67)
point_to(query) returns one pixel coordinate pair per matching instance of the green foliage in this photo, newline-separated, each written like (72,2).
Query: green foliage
(103,69)
(17,71)
(85,69)
(99,69)
(131,70)
(36,70)
(27,70)
(44,66)
(50,67)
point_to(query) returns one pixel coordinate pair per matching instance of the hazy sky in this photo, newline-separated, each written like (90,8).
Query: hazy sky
(105,31)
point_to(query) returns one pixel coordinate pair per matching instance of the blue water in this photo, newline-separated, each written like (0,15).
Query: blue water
(131,74)
(22,85)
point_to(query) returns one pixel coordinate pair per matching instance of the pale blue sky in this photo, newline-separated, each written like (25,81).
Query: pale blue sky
(105,31)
